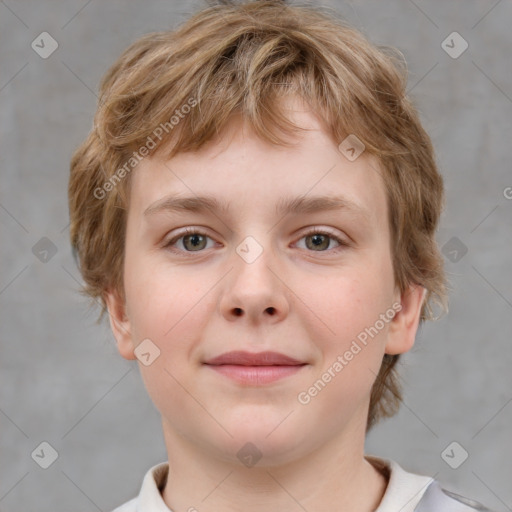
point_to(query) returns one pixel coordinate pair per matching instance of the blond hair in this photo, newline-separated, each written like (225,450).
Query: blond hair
(244,59)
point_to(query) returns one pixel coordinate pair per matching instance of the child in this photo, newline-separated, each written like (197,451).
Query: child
(283,140)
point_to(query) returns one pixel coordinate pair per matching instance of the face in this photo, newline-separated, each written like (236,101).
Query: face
(253,274)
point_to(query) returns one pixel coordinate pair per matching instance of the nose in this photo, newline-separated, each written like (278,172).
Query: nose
(255,289)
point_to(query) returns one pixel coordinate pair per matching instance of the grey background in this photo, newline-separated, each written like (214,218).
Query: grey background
(62,380)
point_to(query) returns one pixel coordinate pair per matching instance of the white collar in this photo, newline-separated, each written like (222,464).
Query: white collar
(404,489)
(403,492)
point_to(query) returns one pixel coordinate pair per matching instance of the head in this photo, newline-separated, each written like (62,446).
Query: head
(250,104)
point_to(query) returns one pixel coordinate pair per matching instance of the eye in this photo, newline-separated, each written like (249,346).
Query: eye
(318,240)
(192,240)
(195,240)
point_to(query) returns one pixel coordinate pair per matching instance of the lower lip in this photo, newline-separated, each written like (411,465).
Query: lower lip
(256,375)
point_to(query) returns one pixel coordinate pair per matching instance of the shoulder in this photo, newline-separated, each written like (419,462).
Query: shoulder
(437,499)
(410,492)
(149,498)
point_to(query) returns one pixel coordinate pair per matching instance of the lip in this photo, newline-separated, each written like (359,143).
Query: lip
(255,369)
(243,358)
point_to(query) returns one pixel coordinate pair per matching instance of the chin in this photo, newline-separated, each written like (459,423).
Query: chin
(260,453)
(262,443)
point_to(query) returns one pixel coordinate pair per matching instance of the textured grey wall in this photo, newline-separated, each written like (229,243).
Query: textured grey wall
(62,380)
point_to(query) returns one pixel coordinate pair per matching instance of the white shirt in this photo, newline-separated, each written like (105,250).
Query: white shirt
(403,492)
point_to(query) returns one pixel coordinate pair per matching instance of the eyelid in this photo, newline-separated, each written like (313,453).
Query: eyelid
(189,230)
(307,231)
(313,230)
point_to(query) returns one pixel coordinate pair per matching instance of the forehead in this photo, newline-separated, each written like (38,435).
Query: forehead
(243,173)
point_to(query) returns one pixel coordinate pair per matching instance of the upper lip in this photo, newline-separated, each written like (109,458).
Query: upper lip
(239,357)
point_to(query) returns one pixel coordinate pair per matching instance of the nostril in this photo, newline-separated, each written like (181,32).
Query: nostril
(271,310)
(238,312)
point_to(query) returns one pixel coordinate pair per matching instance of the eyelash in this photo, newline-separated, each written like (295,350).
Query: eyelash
(313,231)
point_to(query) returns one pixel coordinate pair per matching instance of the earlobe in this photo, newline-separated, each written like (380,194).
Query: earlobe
(120,324)
(403,327)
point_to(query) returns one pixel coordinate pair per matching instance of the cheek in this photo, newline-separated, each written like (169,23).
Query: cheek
(170,309)
(154,291)
(348,332)
(343,305)
(169,306)
(349,360)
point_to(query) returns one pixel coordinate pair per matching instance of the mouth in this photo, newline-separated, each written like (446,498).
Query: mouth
(255,368)
(242,358)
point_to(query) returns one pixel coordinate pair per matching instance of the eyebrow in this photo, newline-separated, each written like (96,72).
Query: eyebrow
(294,205)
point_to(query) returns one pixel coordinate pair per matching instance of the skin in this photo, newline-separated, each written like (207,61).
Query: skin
(308,303)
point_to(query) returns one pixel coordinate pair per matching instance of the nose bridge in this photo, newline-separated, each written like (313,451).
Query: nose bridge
(251,249)
(254,288)
(253,263)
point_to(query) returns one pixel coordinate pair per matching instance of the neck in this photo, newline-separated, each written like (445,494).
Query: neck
(201,481)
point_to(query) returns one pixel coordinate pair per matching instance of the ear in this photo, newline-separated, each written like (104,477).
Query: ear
(403,327)
(120,323)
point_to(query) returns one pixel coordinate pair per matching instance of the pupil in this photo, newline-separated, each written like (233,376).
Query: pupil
(195,239)
(319,240)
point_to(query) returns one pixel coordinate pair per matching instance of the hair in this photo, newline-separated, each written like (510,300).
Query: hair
(244,59)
